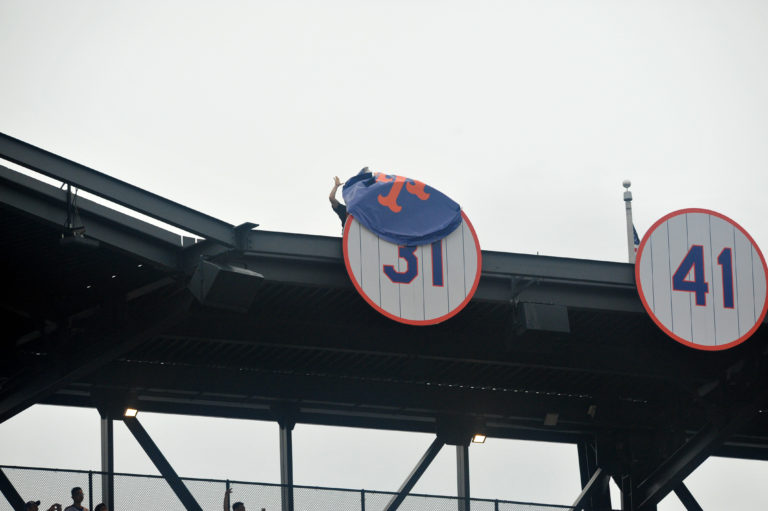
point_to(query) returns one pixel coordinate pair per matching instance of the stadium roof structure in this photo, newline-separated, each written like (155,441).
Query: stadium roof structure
(104,309)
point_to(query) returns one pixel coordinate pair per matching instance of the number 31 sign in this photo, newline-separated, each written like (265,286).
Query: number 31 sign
(702,279)
(416,285)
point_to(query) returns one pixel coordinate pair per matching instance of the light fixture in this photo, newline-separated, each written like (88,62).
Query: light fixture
(131,412)
(479,438)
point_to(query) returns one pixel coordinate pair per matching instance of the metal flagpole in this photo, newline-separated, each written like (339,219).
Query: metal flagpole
(630,227)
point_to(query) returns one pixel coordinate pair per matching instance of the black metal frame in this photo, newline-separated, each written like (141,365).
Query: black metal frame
(648,455)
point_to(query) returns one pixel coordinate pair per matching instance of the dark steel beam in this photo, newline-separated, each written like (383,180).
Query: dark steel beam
(355,336)
(686,498)
(462,477)
(756,450)
(49,204)
(414,476)
(319,414)
(117,191)
(326,414)
(11,495)
(162,465)
(576,283)
(583,271)
(317,260)
(145,319)
(626,488)
(533,278)
(684,461)
(431,399)
(598,483)
(293,246)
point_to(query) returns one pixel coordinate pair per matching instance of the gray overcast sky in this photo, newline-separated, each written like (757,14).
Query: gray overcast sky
(529,114)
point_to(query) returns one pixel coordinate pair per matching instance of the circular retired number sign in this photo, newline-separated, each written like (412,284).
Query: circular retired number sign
(421,285)
(702,279)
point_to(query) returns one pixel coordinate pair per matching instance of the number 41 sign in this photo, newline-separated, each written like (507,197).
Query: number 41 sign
(702,279)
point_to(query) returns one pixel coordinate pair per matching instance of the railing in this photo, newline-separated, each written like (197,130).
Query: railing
(147,492)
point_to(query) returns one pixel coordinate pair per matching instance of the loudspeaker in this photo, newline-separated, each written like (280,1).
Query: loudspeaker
(225,286)
(542,317)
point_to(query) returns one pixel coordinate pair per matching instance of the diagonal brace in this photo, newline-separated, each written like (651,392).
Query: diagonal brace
(165,468)
(11,495)
(415,474)
(671,473)
(686,498)
(599,480)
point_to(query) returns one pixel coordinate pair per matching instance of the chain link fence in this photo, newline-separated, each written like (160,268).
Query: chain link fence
(146,492)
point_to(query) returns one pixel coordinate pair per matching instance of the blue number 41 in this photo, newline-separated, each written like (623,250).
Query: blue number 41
(694,259)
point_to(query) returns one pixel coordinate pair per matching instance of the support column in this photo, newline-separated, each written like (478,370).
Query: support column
(462,476)
(625,485)
(286,463)
(107,460)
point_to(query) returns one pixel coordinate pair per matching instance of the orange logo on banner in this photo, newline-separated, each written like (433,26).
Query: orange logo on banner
(412,186)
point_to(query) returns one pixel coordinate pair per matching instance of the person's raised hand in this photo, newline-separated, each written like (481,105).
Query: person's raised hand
(336,181)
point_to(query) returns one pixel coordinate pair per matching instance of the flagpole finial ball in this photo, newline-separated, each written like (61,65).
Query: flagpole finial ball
(626,184)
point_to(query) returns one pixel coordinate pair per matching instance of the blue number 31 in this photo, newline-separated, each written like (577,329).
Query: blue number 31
(412,265)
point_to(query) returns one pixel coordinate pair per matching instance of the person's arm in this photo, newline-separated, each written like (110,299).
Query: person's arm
(226,498)
(332,195)
(55,507)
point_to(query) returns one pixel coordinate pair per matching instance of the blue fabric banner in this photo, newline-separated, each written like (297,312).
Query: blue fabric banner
(399,209)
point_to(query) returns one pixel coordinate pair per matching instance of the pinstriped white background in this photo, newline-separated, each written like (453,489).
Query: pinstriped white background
(418,300)
(711,324)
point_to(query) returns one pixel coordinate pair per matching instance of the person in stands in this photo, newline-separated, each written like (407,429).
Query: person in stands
(77,499)
(237,506)
(33,505)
